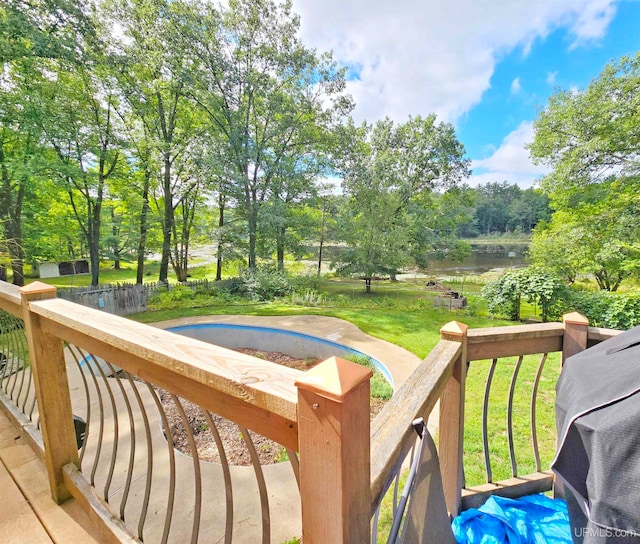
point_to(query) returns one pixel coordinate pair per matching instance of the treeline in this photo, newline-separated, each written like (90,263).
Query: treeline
(504,208)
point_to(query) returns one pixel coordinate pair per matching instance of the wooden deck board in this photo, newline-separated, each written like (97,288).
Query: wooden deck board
(28,512)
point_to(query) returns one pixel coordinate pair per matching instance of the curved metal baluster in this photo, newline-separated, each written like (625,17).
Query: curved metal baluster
(16,359)
(534,398)
(172,464)
(19,353)
(485,417)
(374,525)
(512,387)
(87,401)
(262,486)
(295,464)
(132,448)
(27,396)
(34,399)
(114,411)
(147,430)
(197,507)
(228,486)
(6,349)
(96,459)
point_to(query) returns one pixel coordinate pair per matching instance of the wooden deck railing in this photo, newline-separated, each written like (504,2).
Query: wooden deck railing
(345,467)
(323,414)
(444,376)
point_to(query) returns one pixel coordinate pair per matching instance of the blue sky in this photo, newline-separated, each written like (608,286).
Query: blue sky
(484,65)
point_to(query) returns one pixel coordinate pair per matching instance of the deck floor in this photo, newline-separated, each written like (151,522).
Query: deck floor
(28,513)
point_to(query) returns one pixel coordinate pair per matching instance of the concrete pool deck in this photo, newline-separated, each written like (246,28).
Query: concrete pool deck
(399,361)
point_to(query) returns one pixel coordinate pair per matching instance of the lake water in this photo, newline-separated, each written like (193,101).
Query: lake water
(484,257)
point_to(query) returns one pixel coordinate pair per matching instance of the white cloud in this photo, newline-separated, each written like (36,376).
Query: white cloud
(418,57)
(516,87)
(551,77)
(510,162)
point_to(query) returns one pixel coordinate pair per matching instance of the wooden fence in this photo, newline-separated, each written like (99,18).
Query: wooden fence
(123,298)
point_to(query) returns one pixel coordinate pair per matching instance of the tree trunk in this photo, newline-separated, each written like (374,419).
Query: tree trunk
(252,223)
(144,214)
(321,242)
(93,240)
(221,205)
(280,247)
(167,225)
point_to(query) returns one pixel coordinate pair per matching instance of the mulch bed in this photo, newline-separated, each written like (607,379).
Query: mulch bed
(232,438)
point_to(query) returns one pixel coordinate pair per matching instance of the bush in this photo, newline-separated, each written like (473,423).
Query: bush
(266,284)
(609,310)
(233,286)
(539,287)
(306,282)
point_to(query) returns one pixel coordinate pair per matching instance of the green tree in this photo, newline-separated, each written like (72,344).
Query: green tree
(81,127)
(150,66)
(269,98)
(388,171)
(31,34)
(590,139)
(588,136)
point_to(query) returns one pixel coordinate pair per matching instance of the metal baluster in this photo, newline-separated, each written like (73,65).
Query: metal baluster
(485,417)
(197,506)
(512,387)
(147,430)
(228,486)
(534,398)
(172,465)
(262,486)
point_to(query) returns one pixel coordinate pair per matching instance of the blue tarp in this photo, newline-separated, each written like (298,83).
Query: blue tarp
(535,519)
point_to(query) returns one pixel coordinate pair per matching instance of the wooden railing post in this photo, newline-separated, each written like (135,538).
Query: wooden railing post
(52,392)
(451,429)
(333,437)
(576,329)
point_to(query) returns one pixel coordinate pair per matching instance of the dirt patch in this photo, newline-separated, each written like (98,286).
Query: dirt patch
(234,441)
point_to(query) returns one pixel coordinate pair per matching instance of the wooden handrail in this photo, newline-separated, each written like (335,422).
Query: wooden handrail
(10,300)
(597,334)
(257,394)
(516,340)
(391,432)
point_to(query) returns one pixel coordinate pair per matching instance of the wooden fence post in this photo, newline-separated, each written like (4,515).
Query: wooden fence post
(334,445)
(576,328)
(52,392)
(451,431)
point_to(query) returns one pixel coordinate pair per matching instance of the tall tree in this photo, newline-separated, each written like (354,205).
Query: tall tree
(81,127)
(150,63)
(31,33)
(591,139)
(268,96)
(387,170)
(588,136)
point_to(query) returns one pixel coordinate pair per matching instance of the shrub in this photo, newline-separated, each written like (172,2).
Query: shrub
(233,286)
(308,298)
(266,284)
(540,287)
(609,310)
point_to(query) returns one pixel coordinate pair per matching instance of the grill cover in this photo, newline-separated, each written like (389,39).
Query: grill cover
(598,451)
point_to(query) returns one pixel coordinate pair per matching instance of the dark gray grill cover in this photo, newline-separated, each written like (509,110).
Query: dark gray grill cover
(598,422)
